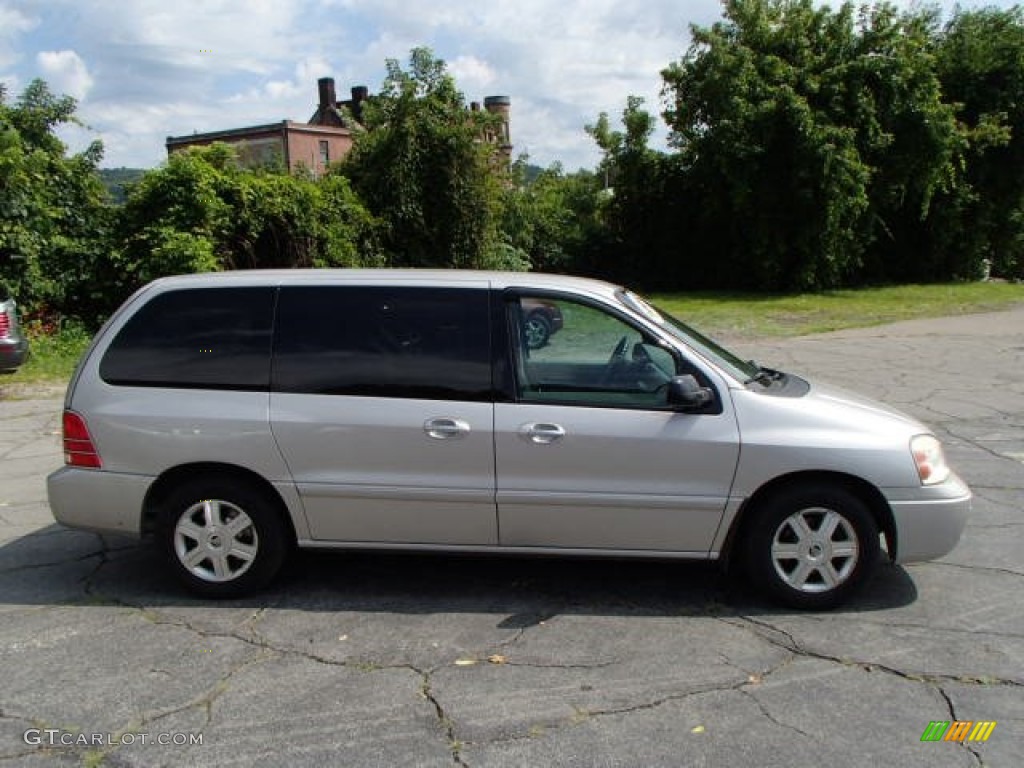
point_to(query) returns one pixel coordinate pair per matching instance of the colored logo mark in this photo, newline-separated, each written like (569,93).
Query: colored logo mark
(958,730)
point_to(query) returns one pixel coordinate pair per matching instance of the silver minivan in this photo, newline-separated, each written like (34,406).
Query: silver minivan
(235,416)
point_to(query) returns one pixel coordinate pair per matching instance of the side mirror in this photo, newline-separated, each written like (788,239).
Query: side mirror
(686,394)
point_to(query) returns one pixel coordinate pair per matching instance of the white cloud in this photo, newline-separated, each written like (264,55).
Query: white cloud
(224,35)
(65,72)
(12,24)
(300,87)
(561,63)
(471,73)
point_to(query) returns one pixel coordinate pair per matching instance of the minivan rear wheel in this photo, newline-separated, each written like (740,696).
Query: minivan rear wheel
(811,547)
(221,537)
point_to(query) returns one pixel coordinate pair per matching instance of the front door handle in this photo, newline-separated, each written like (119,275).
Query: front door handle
(445,429)
(542,434)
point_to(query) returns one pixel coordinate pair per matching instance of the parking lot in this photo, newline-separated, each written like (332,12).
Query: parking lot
(373,660)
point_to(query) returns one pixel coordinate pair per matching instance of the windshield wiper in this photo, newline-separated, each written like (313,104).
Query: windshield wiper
(764,375)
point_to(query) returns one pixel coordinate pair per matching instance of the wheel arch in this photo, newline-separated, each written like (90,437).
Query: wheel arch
(858,486)
(184,473)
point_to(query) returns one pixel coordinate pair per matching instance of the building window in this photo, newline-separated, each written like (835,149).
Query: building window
(325,155)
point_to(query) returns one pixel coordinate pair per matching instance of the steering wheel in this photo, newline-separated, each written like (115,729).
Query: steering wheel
(615,362)
(619,353)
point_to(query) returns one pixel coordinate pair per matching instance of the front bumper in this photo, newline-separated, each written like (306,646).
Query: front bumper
(929,520)
(94,500)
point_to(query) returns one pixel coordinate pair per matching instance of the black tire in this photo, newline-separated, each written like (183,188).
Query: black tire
(810,547)
(537,330)
(239,530)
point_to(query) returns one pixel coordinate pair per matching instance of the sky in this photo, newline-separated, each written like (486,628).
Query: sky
(143,70)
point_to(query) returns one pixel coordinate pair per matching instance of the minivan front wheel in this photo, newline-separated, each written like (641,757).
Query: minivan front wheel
(537,330)
(222,538)
(811,547)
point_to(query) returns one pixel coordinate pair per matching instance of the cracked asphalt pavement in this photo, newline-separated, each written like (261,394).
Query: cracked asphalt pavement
(374,660)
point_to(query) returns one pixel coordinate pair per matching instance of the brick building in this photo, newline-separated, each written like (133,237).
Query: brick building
(324,139)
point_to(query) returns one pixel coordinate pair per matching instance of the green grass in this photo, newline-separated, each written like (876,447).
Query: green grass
(755,316)
(52,359)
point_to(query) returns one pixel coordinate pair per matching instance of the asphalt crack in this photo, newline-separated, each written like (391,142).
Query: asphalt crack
(104,550)
(767,714)
(663,700)
(204,700)
(581,714)
(446,722)
(769,633)
(51,564)
(979,633)
(537,665)
(953,718)
(4,715)
(267,650)
(985,568)
(979,445)
(254,638)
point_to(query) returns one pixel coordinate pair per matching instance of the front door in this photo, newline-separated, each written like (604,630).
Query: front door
(590,456)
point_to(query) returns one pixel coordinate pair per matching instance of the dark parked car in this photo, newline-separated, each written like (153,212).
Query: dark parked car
(542,319)
(13,344)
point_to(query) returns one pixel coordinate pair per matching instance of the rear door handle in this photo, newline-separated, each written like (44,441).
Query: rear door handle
(542,434)
(446,429)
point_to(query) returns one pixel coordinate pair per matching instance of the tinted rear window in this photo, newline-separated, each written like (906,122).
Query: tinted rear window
(427,343)
(214,338)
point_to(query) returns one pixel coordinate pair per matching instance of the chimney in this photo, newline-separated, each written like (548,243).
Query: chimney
(360,93)
(502,107)
(327,97)
(498,105)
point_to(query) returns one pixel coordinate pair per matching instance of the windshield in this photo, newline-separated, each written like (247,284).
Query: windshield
(723,358)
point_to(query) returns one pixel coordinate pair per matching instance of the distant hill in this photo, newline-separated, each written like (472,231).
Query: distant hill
(531,173)
(117,180)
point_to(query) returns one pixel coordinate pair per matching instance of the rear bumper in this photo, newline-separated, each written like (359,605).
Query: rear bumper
(94,500)
(929,525)
(13,352)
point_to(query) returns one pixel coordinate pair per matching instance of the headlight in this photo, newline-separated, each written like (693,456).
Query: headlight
(929,458)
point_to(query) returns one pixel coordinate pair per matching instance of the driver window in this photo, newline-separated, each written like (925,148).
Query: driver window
(574,353)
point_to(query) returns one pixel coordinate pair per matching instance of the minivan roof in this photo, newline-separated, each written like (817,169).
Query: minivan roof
(437,277)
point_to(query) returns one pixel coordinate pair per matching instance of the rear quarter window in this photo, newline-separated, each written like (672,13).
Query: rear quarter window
(427,343)
(212,338)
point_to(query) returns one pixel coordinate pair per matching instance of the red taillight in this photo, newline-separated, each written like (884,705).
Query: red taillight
(78,448)
(5,323)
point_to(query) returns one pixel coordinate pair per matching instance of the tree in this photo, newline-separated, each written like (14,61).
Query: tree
(809,139)
(54,212)
(176,220)
(552,219)
(201,212)
(980,62)
(422,168)
(640,204)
